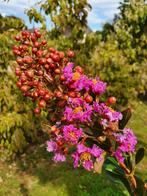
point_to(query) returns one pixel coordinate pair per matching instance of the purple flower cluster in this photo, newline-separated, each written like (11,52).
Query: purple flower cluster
(58,154)
(126,143)
(84,156)
(106,113)
(82,82)
(97,86)
(68,72)
(78,110)
(71,134)
(85,111)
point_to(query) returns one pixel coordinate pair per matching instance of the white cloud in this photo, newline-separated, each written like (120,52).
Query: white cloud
(18,5)
(110,14)
(101,3)
(102,11)
(94,19)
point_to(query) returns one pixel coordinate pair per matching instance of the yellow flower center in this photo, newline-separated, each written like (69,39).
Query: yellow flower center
(129,146)
(78,109)
(111,109)
(94,81)
(72,134)
(85,156)
(76,76)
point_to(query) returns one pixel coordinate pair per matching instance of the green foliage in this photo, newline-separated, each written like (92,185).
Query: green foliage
(120,58)
(29,176)
(139,155)
(126,117)
(14,129)
(17,124)
(10,22)
(69,17)
(115,172)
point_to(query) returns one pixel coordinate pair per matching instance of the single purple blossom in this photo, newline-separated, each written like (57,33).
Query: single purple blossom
(88,165)
(114,116)
(75,102)
(59,157)
(81,113)
(68,72)
(71,134)
(85,156)
(51,146)
(100,108)
(98,86)
(118,155)
(96,151)
(76,158)
(82,83)
(127,140)
(104,123)
(68,113)
(126,143)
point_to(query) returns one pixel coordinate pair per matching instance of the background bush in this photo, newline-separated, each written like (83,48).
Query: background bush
(121,57)
(17,122)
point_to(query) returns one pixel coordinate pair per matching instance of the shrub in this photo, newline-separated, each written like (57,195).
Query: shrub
(120,59)
(17,124)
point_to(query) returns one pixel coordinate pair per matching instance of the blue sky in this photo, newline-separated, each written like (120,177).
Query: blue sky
(102,11)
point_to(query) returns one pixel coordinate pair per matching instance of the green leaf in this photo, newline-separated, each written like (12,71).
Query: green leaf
(111,164)
(119,178)
(128,162)
(139,155)
(140,190)
(126,116)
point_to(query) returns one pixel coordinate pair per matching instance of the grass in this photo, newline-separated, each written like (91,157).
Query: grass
(34,174)
(138,123)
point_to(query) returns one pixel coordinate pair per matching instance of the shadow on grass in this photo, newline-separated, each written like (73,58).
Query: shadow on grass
(76,182)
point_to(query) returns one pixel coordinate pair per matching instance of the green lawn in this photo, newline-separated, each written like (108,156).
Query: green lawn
(138,123)
(34,174)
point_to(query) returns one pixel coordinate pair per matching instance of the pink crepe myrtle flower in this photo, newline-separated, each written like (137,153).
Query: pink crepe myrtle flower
(71,134)
(59,157)
(98,86)
(78,114)
(103,110)
(81,113)
(51,146)
(68,72)
(83,83)
(68,114)
(100,108)
(104,123)
(119,155)
(85,155)
(126,142)
(114,116)
(74,102)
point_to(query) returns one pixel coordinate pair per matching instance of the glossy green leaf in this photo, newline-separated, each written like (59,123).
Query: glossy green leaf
(139,155)
(111,164)
(120,178)
(126,116)
(140,190)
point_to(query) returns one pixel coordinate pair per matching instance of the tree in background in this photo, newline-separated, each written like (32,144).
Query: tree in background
(11,22)
(69,17)
(120,59)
